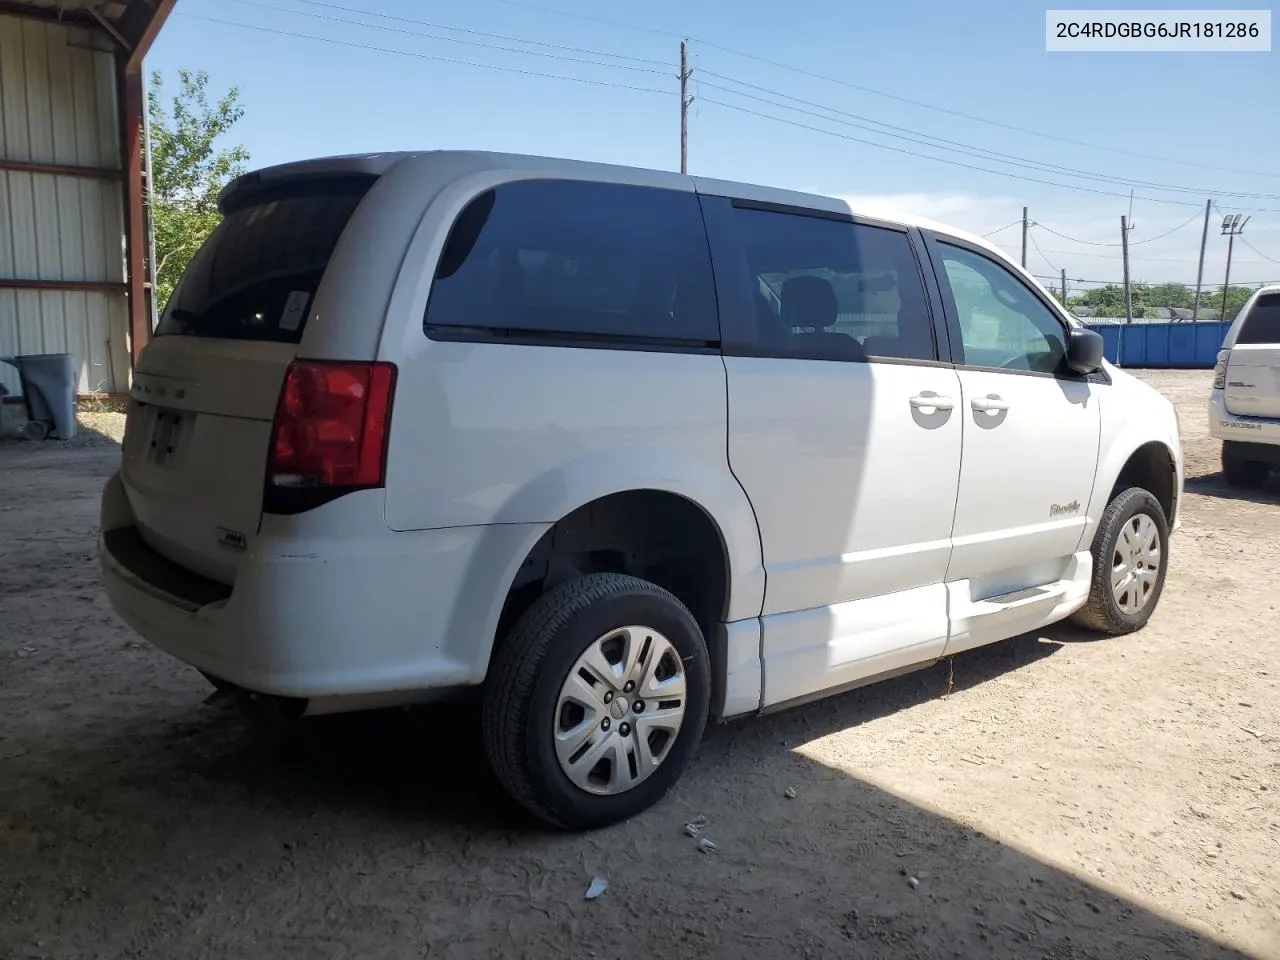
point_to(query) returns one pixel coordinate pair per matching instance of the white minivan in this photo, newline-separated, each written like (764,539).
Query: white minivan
(620,450)
(1244,402)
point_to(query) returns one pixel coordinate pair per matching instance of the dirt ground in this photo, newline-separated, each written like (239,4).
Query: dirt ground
(1067,798)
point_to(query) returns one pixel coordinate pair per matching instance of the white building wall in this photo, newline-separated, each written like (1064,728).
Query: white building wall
(59,105)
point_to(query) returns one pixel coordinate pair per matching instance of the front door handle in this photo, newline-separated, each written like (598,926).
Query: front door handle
(926,401)
(989,404)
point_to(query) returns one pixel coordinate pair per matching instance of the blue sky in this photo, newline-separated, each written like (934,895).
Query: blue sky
(307,97)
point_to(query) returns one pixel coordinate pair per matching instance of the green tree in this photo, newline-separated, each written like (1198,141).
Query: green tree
(1171,295)
(188,169)
(1109,300)
(1236,297)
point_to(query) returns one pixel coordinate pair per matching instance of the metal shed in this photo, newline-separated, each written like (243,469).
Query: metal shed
(74,258)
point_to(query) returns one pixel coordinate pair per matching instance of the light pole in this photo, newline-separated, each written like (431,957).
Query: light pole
(1232,227)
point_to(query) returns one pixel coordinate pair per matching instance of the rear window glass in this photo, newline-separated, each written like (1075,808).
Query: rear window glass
(257,273)
(578,258)
(1262,325)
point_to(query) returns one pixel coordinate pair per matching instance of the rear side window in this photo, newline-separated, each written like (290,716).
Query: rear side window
(257,274)
(597,261)
(828,289)
(1262,325)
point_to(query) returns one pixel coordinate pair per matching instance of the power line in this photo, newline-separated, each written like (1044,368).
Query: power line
(477,33)
(1111,256)
(1004,228)
(1167,233)
(880,93)
(422,56)
(1091,243)
(1139,283)
(922,139)
(1257,251)
(981,154)
(469,43)
(592,19)
(907,133)
(1041,252)
(1132,243)
(954,163)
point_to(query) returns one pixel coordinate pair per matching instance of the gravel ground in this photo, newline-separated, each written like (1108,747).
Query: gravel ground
(1053,796)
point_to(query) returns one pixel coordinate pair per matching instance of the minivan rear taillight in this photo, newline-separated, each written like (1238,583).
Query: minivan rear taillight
(330,433)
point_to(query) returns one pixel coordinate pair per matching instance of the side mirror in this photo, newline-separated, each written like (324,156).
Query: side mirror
(1084,350)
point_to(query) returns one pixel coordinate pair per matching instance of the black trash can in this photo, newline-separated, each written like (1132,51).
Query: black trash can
(49,392)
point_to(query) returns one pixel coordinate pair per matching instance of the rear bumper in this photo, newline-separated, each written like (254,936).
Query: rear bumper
(1224,425)
(329,604)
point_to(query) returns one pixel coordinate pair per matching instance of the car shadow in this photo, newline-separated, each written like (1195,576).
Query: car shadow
(306,827)
(1215,485)
(427,763)
(964,671)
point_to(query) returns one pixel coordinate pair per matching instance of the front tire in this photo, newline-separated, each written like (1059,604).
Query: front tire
(1240,472)
(1130,560)
(596,701)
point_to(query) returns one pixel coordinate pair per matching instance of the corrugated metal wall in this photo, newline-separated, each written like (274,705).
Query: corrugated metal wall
(58,104)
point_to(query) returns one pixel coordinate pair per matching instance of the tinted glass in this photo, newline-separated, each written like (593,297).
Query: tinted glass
(257,273)
(568,257)
(1262,325)
(1002,322)
(833,290)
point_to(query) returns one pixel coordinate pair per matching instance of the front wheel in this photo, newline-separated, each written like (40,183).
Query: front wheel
(597,700)
(1130,560)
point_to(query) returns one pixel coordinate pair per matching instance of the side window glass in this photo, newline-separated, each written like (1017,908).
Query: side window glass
(1003,324)
(832,290)
(576,257)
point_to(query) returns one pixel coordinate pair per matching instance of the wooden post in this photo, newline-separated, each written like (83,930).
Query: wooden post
(132,105)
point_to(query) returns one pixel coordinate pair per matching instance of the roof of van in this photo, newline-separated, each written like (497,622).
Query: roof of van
(379,163)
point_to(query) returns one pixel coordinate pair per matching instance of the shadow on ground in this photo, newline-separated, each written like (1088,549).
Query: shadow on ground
(94,423)
(135,822)
(1215,485)
(189,831)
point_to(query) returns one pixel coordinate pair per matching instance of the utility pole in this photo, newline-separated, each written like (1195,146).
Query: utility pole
(1064,287)
(1204,236)
(1024,238)
(685,100)
(1232,226)
(1128,291)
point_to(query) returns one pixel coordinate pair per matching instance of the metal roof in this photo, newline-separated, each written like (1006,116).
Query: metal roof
(132,24)
(111,9)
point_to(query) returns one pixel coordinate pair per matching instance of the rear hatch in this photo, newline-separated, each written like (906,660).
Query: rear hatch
(206,388)
(1253,367)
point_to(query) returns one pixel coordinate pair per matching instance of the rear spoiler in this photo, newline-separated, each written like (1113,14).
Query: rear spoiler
(361,169)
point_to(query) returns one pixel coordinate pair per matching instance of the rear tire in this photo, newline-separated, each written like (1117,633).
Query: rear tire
(1130,560)
(535,724)
(1241,472)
